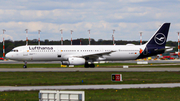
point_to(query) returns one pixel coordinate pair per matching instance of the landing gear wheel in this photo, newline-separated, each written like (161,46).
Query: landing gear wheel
(24,66)
(89,65)
(86,65)
(92,65)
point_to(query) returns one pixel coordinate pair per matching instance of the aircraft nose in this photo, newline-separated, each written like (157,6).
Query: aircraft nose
(7,56)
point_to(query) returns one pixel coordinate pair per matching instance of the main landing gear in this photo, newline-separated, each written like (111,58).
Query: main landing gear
(25,64)
(89,65)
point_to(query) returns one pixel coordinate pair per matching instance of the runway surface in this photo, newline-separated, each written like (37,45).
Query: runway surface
(123,86)
(130,61)
(89,69)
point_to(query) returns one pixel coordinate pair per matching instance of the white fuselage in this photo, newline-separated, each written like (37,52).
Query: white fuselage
(63,52)
(83,54)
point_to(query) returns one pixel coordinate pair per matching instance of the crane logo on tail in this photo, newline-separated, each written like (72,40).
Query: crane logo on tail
(160,38)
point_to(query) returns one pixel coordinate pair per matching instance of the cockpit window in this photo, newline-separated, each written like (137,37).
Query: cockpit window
(14,50)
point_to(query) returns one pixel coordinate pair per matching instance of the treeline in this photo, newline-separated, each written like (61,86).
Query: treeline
(9,45)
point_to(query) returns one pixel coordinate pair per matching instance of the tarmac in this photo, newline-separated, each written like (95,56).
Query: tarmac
(73,87)
(130,61)
(89,69)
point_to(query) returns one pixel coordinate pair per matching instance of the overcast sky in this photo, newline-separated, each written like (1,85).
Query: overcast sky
(127,17)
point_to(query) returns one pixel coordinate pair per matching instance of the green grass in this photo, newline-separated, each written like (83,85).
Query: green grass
(75,78)
(145,94)
(112,65)
(19,96)
(46,65)
(43,65)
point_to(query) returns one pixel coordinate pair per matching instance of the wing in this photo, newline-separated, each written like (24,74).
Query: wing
(94,56)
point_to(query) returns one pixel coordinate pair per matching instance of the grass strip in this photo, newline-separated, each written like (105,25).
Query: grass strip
(43,65)
(143,94)
(55,65)
(112,65)
(75,78)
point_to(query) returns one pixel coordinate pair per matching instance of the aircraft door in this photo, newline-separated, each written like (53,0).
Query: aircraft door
(25,52)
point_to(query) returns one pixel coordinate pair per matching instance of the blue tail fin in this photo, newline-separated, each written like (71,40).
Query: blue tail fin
(156,44)
(160,37)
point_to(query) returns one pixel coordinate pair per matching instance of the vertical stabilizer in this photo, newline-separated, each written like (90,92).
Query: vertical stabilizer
(156,44)
(160,37)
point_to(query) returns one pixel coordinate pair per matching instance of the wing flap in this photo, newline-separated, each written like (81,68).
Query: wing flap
(94,56)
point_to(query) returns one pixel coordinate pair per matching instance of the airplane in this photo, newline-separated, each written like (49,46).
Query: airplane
(87,54)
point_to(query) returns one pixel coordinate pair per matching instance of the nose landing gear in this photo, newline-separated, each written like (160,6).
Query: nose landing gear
(25,64)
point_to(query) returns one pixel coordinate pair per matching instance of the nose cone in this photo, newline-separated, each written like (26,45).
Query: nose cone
(8,56)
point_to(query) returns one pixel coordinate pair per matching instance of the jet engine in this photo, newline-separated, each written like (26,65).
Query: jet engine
(74,61)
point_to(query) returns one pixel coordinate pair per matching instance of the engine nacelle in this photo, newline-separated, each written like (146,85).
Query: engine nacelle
(74,61)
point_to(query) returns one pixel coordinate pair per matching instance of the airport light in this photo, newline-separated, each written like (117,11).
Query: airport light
(61,37)
(178,46)
(3,44)
(113,36)
(89,37)
(140,38)
(71,36)
(26,36)
(39,37)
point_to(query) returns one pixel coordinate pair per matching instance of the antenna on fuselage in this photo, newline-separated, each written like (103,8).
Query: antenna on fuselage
(26,36)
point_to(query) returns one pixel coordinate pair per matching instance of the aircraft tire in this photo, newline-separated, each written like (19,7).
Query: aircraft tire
(24,66)
(92,65)
(86,65)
